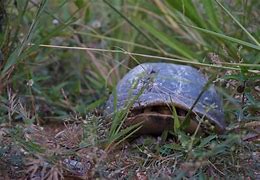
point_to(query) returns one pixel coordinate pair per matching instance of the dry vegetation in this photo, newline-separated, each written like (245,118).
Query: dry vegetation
(60,60)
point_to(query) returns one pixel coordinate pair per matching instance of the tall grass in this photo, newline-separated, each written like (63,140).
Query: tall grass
(60,59)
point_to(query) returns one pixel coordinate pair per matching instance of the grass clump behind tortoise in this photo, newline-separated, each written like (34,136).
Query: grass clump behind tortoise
(151,90)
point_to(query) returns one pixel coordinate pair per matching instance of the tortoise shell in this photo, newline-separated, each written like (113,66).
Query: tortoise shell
(151,89)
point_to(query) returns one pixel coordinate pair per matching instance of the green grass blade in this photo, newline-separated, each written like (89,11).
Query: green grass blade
(95,104)
(238,23)
(176,120)
(134,26)
(20,19)
(206,140)
(187,119)
(211,14)
(187,8)
(173,43)
(16,56)
(125,132)
(102,37)
(225,37)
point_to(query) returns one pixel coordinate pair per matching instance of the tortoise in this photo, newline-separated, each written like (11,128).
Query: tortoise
(150,91)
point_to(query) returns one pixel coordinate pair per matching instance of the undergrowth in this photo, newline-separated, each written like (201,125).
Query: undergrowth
(60,60)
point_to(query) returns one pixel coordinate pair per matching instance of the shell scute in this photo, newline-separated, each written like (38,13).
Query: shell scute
(165,83)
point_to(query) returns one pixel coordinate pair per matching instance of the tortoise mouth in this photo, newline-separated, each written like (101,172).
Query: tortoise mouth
(157,118)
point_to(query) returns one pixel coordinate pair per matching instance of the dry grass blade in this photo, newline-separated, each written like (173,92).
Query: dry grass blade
(60,60)
(233,65)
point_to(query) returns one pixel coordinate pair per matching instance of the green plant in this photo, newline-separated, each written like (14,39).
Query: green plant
(62,58)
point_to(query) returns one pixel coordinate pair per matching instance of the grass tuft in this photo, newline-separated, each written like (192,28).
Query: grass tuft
(60,61)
